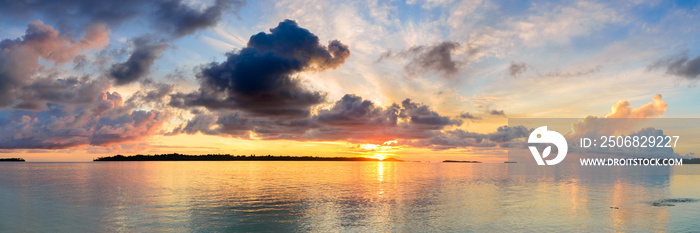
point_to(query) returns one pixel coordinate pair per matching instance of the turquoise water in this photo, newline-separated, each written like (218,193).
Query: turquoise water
(333,196)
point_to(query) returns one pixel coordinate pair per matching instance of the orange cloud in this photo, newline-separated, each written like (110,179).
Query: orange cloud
(622,109)
(50,44)
(593,126)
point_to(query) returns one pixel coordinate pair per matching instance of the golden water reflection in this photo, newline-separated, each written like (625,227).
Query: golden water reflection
(332,196)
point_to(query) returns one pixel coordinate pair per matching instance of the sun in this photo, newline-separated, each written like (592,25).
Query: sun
(379,151)
(379,156)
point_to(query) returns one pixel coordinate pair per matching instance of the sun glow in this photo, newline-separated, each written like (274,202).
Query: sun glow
(379,156)
(369,146)
(379,151)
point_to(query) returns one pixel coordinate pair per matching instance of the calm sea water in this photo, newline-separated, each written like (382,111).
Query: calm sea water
(333,196)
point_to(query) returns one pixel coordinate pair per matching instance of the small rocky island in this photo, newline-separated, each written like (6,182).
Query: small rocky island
(228,157)
(459,161)
(11,160)
(691,161)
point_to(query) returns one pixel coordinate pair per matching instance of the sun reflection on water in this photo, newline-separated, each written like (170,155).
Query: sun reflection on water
(335,196)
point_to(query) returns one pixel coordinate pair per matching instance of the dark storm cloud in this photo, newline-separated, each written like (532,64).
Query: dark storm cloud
(241,125)
(260,78)
(171,16)
(146,51)
(438,57)
(357,120)
(243,95)
(422,116)
(517,68)
(351,110)
(350,118)
(679,65)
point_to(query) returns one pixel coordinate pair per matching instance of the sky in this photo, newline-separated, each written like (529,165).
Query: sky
(414,80)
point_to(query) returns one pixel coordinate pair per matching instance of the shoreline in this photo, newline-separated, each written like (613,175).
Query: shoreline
(228,157)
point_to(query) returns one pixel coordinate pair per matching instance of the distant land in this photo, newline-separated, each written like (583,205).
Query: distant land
(11,160)
(228,157)
(691,161)
(458,161)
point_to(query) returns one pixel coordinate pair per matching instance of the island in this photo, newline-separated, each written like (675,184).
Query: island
(458,161)
(691,161)
(228,157)
(11,160)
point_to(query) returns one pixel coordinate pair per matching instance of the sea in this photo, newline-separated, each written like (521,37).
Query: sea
(303,196)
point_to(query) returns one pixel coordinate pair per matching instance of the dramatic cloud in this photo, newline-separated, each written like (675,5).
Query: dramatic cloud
(45,107)
(100,119)
(260,77)
(622,109)
(19,58)
(146,51)
(680,65)
(241,125)
(438,58)
(352,110)
(127,127)
(155,95)
(180,19)
(66,91)
(621,118)
(170,19)
(254,93)
(175,17)
(350,118)
(360,121)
